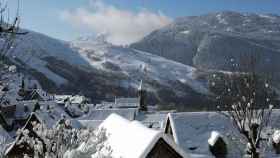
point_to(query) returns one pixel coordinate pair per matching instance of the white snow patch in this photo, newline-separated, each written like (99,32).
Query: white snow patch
(183,80)
(133,141)
(221,19)
(186,32)
(136,64)
(214,137)
(12,68)
(266,16)
(276,136)
(229,29)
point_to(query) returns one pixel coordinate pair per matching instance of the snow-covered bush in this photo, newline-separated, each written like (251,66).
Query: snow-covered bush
(93,147)
(64,142)
(246,98)
(276,141)
(3,146)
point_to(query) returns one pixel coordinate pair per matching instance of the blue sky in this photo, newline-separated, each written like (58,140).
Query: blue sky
(45,16)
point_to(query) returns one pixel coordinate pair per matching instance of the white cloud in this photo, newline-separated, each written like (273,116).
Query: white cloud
(121,26)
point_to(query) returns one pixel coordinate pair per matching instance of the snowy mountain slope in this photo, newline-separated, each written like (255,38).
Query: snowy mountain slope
(160,76)
(33,49)
(102,71)
(138,65)
(210,41)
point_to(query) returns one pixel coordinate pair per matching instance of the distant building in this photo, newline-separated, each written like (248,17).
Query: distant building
(102,114)
(126,103)
(139,102)
(61,99)
(32,92)
(73,99)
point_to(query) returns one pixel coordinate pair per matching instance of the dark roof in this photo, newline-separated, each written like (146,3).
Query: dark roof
(102,114)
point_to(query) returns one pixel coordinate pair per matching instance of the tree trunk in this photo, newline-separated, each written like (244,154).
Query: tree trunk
(255,154)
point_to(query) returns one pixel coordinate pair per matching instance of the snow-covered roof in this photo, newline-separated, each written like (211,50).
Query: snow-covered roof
(76,99)
(43,94)
(32,116)
(48,118)
(21,112)
(154,120)
(214,137)
(191,130)
(126,100)
(123,103)
(131,139)
(43,118)
(61,98)
(102,114)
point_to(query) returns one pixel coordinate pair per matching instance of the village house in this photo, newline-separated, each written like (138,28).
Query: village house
(96,116)
(131,139)
(129,108)
(73,99)
(128,103)
(192,131)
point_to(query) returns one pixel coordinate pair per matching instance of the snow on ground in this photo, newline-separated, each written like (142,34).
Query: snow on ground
(221,19)
(276,136)
(138,64)
(186,32)
(41,46)
(33,49)
(214,137)
(271,18)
